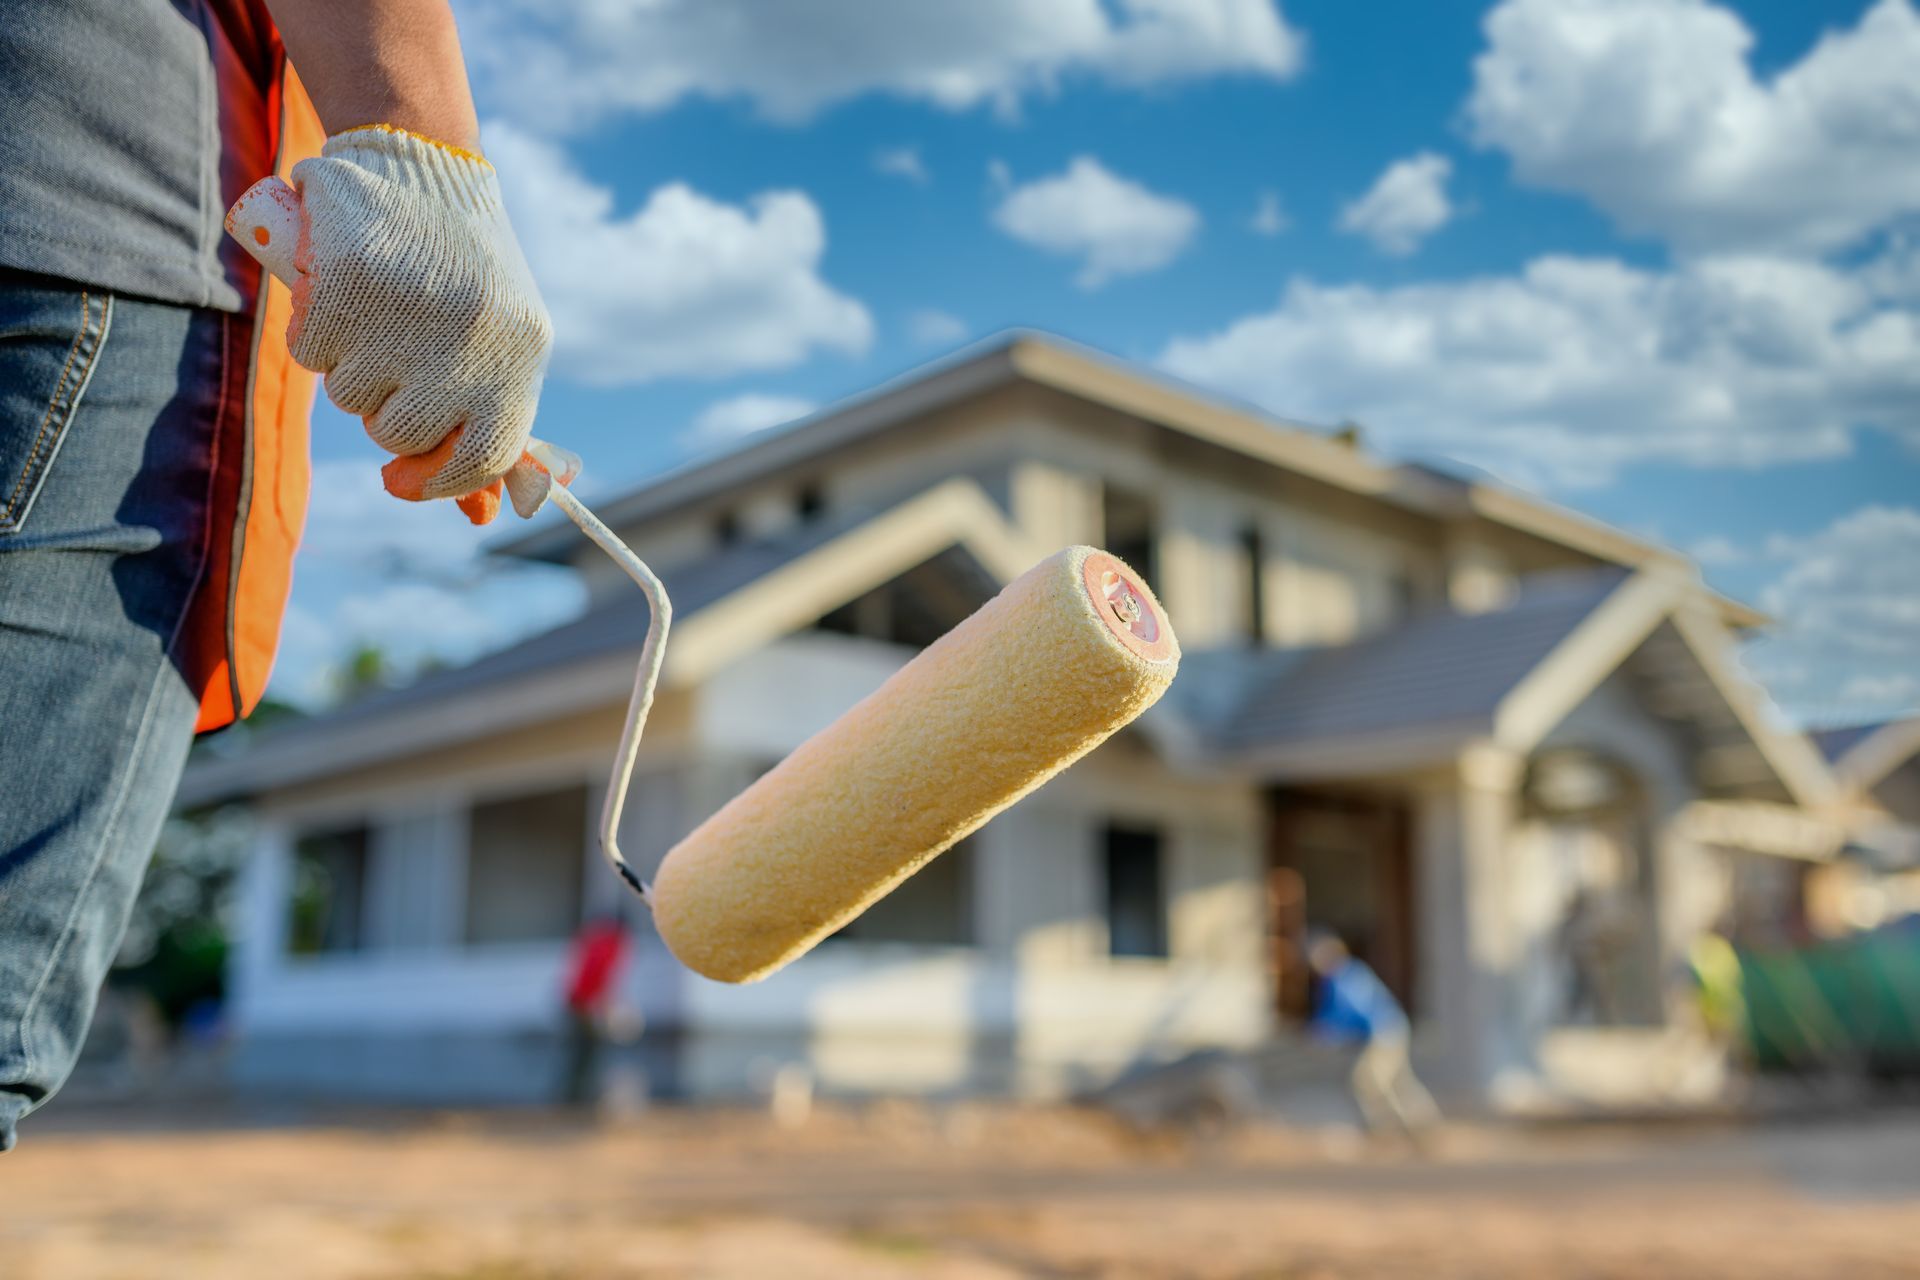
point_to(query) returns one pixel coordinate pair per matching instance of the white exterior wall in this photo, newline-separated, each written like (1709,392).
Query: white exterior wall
(773,699)
(1036,1005)
(1480,576)
(1336,580)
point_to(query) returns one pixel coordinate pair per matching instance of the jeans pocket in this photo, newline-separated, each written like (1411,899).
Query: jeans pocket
(50,340)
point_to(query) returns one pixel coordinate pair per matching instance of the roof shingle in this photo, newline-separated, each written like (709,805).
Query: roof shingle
(1434,672)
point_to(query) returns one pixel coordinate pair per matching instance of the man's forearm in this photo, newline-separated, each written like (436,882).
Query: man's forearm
(381,62)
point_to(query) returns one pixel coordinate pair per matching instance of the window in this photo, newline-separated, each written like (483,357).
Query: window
(933,907)
(810,502)
(1404,594)
(1127,518)
(327,911)
(844,620)
(1255,557)
(1136,892)
(726,528)
(524,864)
(914,609)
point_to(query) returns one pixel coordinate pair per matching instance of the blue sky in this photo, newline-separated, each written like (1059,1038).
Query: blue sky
(1653,258)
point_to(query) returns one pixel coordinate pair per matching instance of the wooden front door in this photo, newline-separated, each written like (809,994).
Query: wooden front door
(1344,864)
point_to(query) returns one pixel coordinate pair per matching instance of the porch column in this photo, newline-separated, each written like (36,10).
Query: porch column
(264,891)
(1465,819)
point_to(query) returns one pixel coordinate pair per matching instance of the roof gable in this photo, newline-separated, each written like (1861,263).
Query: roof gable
(1066,368)
(1421,692)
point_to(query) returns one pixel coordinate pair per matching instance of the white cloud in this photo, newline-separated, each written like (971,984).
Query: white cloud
(1898,692)
(684,286)
(353,523)
(406,577)
(1406,204)
(930,327)
(1114,225)
(1846,642)
(1576,366)
(740,415)
(902,162)
(1269,215)
(413,621)
(566,65)
(1651,110)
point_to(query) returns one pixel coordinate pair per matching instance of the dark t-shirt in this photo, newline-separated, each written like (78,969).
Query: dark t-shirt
(126,128)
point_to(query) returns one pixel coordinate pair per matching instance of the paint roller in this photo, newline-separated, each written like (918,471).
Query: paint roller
(1061,659)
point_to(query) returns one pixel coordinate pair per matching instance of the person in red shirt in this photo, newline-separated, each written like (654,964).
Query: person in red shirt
(593,973)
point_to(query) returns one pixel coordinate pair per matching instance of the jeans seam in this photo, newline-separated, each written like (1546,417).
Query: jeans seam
(53,402)
(68,929)
(25,482)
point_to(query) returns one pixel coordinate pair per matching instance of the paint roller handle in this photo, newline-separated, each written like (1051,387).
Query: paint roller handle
(265,221)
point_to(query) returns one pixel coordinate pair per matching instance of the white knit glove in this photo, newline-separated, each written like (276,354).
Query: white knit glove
(415,301)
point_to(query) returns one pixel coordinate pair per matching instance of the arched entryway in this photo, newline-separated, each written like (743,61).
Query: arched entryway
(1584,894)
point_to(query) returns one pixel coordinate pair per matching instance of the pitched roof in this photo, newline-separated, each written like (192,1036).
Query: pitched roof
(1051,362)
(1415,695)
(1444,669)
(1423,688)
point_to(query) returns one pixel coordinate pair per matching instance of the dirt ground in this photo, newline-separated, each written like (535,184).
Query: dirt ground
(957,1194)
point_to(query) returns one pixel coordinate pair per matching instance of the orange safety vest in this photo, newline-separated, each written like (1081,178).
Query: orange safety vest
(260,466)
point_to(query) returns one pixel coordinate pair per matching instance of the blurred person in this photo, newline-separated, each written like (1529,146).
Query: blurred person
(593,975)
(153,429)
(1719,1000)
(1599,935)
(1352,1006)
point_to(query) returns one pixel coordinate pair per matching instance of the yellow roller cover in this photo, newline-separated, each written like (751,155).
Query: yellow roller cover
(1071,651)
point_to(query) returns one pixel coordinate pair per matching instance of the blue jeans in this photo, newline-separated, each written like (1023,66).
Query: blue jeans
(107,413)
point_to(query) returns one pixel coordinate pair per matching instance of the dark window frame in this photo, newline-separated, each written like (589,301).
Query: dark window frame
(1253,547)
(337,862)
(810,501)
(1135,901)
(1130,525)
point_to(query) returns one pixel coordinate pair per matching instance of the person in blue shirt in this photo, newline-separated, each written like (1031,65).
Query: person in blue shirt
(1355,1007)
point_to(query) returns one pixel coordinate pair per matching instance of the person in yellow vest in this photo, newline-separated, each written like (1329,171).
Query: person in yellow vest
(1717,993)
(154,393)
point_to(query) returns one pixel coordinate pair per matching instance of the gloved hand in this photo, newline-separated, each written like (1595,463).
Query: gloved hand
(414,300)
